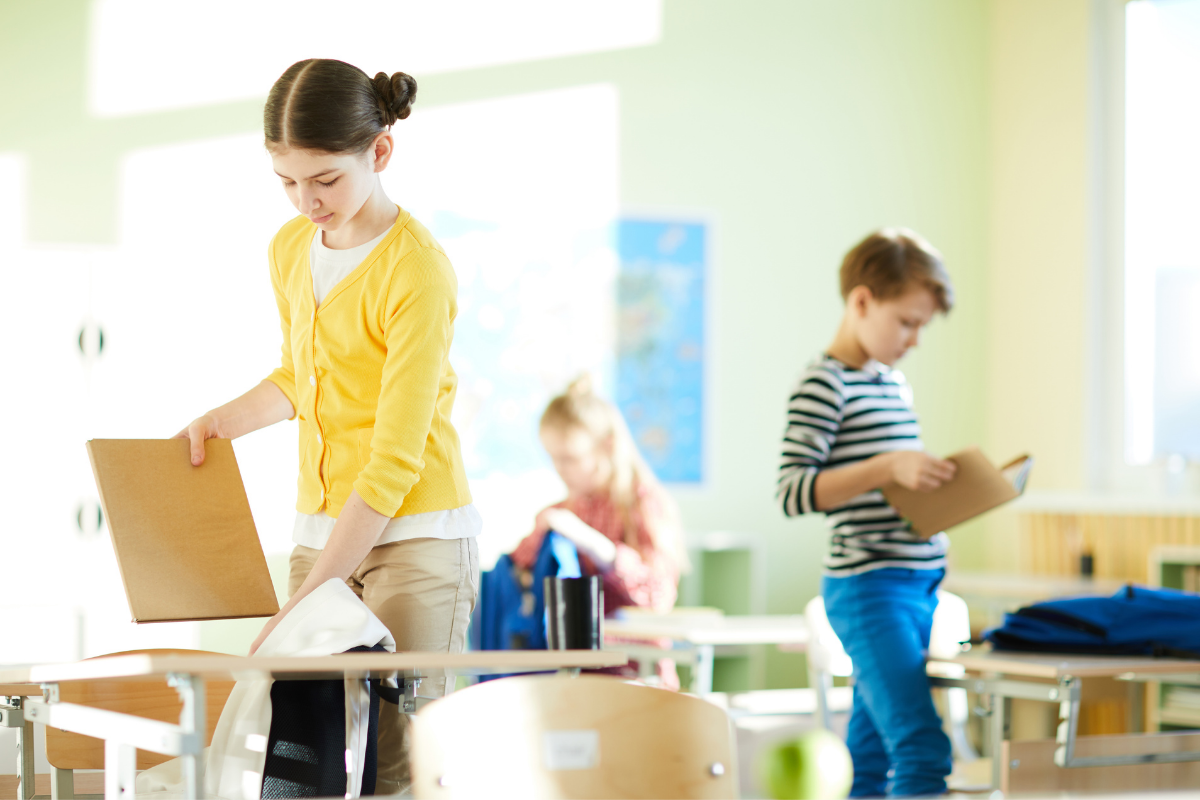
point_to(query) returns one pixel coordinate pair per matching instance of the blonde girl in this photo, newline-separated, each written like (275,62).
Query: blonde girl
(367,302)
(617,514)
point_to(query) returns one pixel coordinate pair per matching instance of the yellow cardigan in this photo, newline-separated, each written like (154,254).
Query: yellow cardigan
(369,373)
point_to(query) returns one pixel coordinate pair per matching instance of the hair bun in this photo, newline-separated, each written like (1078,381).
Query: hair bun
(581,386)
(395,94)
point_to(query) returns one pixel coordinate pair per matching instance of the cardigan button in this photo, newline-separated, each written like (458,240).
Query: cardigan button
(312,380)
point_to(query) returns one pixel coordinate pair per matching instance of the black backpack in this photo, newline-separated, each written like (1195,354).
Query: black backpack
(306,750)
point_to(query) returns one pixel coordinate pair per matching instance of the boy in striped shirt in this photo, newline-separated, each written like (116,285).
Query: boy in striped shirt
(850,431)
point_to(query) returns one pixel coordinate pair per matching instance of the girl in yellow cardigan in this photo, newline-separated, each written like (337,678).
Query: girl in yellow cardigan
(367,302)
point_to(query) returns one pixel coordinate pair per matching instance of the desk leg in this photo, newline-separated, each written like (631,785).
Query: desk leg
(120,770)
(191,720)
(1137,707)
(997,733)
(62,784)
(702,680)
(25,765)
(1068,716)
(821,682)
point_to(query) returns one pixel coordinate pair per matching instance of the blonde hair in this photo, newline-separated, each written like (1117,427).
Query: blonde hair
(580,407)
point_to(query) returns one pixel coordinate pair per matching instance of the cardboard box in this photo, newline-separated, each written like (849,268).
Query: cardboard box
(977,487)
(185,542)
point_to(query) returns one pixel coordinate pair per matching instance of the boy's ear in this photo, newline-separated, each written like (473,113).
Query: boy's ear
(858,299)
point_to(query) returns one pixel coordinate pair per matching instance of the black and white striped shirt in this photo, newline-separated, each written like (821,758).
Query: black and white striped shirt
(839,416)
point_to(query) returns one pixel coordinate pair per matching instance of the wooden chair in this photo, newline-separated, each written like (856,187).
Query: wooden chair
(153,699)
(589,736)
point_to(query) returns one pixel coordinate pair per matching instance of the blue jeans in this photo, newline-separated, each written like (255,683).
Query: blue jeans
(883,618)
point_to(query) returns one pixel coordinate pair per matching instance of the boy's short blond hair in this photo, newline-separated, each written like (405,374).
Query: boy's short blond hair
(891,261)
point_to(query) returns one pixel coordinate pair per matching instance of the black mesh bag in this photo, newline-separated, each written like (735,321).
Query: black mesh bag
(306,751)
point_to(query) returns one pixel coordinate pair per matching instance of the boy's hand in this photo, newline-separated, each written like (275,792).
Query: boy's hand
(921,472)
(202,428)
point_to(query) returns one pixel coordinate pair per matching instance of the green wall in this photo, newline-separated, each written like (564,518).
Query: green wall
(794,126)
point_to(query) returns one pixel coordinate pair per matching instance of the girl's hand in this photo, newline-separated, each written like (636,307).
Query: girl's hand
(591,542)
(921,472)
(266,631)
(202,428)
(553,519)
(548,519)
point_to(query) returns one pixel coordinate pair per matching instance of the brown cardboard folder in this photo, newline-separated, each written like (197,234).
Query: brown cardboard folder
(185,541)
(977,487)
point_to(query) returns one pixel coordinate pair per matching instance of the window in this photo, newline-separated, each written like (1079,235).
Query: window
(235,50)
(1162,215)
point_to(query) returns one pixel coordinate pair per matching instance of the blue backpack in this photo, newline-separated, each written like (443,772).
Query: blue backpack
(510,616)
(1134,621)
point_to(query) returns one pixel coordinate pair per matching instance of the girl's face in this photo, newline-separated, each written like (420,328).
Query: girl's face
(887,329)
(330,188)
(583,463)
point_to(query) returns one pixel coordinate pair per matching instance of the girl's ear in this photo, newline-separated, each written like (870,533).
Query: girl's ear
(381,150)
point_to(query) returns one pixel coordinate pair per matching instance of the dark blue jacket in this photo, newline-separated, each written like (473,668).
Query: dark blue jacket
(1134,621)
(510,617)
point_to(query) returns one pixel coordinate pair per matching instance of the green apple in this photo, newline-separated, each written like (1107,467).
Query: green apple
(815,766)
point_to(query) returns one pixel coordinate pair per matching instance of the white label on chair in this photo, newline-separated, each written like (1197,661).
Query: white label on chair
(563,750)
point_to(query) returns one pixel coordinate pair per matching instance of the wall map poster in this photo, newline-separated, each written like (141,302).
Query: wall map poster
(660,342)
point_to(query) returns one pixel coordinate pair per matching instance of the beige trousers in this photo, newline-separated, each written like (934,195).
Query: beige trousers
(423,590)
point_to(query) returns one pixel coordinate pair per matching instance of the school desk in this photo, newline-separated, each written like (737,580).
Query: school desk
(996,594)
(1000,676)
(123,734)
(695,638)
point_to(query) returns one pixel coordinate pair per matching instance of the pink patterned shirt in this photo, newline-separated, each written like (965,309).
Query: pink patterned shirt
(649,581)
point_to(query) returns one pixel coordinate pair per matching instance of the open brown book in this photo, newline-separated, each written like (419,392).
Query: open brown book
(977,487)
(185,541)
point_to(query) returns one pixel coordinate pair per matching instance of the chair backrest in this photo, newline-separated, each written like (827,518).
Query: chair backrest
(825,651)
(951,627)
(590,736)
(153,699)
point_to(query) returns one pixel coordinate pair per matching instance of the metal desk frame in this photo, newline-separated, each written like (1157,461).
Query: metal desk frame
(12,715)
(125,734)
(1066,692)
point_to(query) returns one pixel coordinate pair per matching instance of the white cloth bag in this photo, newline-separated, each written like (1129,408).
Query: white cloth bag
(329,620)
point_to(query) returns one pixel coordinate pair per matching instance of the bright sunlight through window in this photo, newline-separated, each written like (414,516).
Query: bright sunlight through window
(235,50)
(1162,212)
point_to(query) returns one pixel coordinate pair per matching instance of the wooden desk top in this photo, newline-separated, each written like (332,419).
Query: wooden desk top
(711,629)
(1055,666)
(20,690)
(485,662)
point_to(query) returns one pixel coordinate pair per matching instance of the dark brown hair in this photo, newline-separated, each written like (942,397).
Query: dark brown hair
(328,105)
(891,261)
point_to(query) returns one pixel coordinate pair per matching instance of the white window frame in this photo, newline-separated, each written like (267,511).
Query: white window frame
(1108,471)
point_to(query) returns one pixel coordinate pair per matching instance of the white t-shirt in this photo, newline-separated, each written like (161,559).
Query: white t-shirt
(329,268)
